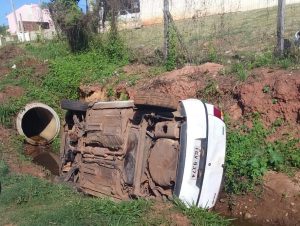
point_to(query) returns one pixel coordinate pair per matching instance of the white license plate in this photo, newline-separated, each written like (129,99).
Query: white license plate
(196,159)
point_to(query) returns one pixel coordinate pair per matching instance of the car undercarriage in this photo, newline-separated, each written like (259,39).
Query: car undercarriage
(120,150)
(144,148)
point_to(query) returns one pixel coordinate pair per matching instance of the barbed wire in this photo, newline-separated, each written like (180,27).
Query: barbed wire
(222,26)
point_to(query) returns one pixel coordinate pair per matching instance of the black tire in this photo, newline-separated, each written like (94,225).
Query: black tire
(143,99)
(73,105)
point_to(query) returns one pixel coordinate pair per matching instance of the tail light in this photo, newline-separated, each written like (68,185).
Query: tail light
(218,113)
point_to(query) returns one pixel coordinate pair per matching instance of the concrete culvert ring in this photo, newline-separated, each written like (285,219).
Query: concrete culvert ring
(38,123)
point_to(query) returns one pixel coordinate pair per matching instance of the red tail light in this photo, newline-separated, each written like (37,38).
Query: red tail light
(218,113)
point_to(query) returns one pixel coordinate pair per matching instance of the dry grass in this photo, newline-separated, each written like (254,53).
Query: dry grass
(240,32)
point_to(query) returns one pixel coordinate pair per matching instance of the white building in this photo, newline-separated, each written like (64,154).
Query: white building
(31,19)
(151,11)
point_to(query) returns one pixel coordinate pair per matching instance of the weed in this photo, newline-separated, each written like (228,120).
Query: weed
(132,80)
(277,123)
(49,50)
(249,156)
(124,96)
(212,54)
(172,51)
(115,48)
(55,145)
(157,70)
(3,170)
(110,91)
(210,91)
(266,89)
(274,101)
(175,58)
(240,71)
(262,59)
(285,63)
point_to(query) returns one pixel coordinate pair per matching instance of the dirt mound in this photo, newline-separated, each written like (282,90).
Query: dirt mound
(5,135)
(92,93)
(39,68)
(183,83)
(273,94)
(13,160)
(10,92)
(4,71)
(279,203)
(7,54)
(10,52)
(169,214)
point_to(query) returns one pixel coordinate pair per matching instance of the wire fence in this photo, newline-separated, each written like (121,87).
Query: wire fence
(211,28)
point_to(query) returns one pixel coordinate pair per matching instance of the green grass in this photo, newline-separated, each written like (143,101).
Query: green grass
(201,216)
(66,72)
(26,200)
(249,156)
(48,50)
(241,68)
(30,201)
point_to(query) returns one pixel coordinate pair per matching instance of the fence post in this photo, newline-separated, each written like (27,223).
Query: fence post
(166,28)
(280,27)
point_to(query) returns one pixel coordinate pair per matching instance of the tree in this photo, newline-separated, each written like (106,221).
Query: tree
(3,29)
(71,22)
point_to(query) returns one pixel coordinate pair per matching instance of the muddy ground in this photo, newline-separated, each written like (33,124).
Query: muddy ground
(274,94)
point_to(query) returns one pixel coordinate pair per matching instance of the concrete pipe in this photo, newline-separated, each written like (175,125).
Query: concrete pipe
(38,123)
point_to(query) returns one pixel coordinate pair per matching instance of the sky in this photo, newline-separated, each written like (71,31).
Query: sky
(5,7)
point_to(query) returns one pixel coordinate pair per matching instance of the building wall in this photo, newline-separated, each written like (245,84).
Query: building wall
(2,40)
(29,13)
(152,11)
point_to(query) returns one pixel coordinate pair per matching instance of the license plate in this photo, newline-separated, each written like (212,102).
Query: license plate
(196,159)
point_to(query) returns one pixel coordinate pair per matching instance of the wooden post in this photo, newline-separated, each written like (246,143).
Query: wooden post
(280,27)
(166,28)
(22,27)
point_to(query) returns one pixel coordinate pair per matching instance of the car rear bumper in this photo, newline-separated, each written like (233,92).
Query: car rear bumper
(202,155)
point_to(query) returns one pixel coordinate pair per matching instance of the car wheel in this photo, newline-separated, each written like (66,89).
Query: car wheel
(73,105)
(143,99)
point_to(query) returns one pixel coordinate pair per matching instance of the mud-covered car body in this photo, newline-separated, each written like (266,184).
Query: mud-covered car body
(127,149)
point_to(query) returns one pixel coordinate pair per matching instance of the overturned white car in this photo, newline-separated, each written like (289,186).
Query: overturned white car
(150,147)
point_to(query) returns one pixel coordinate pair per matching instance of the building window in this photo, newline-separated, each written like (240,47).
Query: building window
(45,25)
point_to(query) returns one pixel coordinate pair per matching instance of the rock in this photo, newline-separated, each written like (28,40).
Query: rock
(92,93)
(222,200)
(247,216)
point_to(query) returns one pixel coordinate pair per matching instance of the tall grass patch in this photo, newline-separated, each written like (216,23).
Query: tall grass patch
(26,200)
(250,155)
